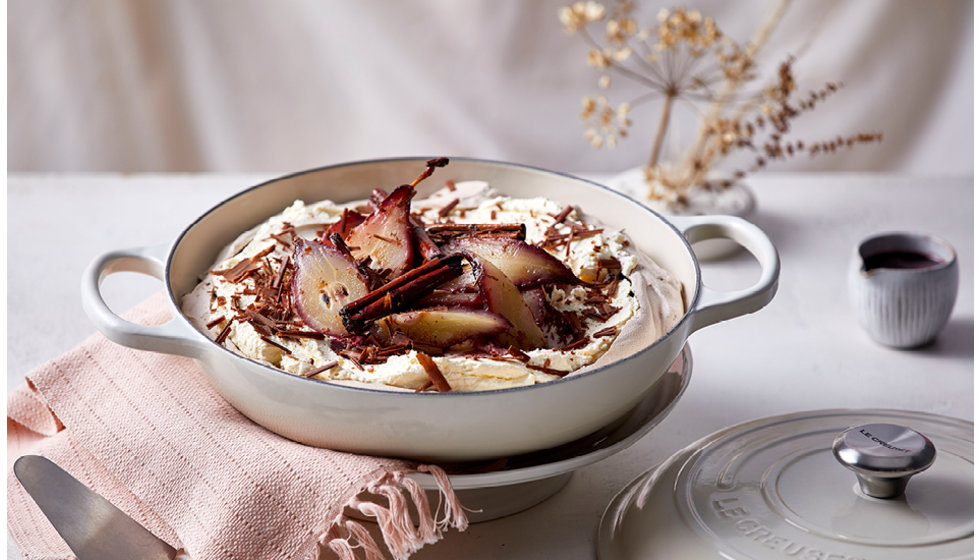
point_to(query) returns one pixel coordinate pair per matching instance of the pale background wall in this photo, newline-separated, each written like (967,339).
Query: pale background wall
(253,85)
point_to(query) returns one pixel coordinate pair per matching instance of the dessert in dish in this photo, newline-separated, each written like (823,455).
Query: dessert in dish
(464,290)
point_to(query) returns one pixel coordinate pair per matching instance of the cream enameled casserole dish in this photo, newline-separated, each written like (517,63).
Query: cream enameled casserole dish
(431,426)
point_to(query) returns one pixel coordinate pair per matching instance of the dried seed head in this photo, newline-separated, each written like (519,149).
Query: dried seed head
(734,119)
(580,14)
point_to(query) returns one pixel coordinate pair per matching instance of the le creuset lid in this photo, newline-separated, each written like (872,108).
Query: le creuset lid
(804,486)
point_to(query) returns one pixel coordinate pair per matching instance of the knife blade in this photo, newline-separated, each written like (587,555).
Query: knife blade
(92,527)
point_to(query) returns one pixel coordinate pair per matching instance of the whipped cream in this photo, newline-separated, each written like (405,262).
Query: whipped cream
(216,305)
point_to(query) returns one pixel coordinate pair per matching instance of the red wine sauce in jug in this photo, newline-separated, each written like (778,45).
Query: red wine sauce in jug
(901,260)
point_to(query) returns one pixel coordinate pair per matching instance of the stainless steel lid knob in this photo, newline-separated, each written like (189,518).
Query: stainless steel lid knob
(884,457)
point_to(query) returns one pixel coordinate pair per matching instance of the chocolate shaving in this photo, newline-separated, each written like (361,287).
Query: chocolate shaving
(445,210)
(556,239)
(518,353)
(276,344)
(548,370)
(605,332)
(613,286)
(223,334)
(432,370)
(264,325)
(610,263)
(607,310)
(560,217)
(575,344)
(354,356)
(283,237)
(263,252)
(321,369)
(449,231)
(277,282)
(368,355)
(393,349)
(573,321)
(293,333)
(238,272)
(601,312)
(214,322)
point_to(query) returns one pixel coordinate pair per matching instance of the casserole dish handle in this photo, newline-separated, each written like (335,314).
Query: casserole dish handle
(173,337)
(713,305)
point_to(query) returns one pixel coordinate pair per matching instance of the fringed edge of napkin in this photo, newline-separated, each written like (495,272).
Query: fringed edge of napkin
(401,534)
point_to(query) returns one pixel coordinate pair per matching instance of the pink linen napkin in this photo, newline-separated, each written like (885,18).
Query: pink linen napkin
(148,432)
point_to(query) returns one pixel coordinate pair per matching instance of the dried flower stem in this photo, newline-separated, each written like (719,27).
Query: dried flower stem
(661,129)
(702,152)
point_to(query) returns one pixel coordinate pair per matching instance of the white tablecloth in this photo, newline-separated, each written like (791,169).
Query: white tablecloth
(804,351)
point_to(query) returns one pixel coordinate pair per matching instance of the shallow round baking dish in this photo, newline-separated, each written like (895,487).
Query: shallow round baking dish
(431,426)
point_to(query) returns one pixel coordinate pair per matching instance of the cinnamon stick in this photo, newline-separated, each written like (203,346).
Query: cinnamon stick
(400,291)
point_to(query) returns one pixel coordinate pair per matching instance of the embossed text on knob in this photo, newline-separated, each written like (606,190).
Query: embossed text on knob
(884,457)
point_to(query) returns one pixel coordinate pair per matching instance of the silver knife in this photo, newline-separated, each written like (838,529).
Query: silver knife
(92,527)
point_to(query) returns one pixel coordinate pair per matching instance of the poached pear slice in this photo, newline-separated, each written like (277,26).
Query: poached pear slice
(501,296)
(349,220)
(445,327)
(524,264)
(557,332)
(386,235)
(324,282)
